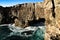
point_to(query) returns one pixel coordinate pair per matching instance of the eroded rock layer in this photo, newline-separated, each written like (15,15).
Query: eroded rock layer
(21,14)
(52,19)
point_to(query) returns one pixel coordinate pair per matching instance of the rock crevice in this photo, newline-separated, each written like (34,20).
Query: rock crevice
(53,10)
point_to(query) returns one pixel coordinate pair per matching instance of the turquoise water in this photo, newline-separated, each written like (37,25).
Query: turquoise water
(5,34)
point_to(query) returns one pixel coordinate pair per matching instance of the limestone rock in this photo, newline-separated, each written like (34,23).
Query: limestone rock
(50,22)
(28,12)
(57,11)
(39,10)
(23,12)
(48,11)
(57,3)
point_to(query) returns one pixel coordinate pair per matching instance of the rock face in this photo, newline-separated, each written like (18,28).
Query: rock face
(25,13)
(52,19)
(21,14)
(39,10)
(28,12)
(57,11)
(48,10)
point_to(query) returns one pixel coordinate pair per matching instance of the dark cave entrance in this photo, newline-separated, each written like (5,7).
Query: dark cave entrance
(40,22)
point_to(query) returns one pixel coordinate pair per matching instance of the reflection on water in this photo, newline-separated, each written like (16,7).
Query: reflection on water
(29,33)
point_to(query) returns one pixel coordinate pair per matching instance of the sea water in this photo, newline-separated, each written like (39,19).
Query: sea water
(29,33)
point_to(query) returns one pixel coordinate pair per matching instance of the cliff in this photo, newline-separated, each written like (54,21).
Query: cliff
(51,9)
(21,14)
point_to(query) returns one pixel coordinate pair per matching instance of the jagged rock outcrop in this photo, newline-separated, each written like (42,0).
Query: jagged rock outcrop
(57,14)
(48,10)
(22,13)
(28,12)
(57,11)
(39,10)
(48,7)
(52,28)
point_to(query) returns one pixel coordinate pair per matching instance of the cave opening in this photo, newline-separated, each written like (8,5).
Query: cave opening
(40,22)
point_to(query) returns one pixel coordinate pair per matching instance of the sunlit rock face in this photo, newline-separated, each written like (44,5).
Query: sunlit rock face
(21,14)
(28,12)
(24,13)
(49,17)
(53,20)
(39,10)
(48,8)
(57,11)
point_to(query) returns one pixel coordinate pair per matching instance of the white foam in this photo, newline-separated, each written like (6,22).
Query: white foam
(19,30)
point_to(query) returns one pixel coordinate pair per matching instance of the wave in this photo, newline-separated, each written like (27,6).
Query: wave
(18,33)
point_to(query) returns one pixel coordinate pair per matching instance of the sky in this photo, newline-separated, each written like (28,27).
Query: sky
(6,3)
